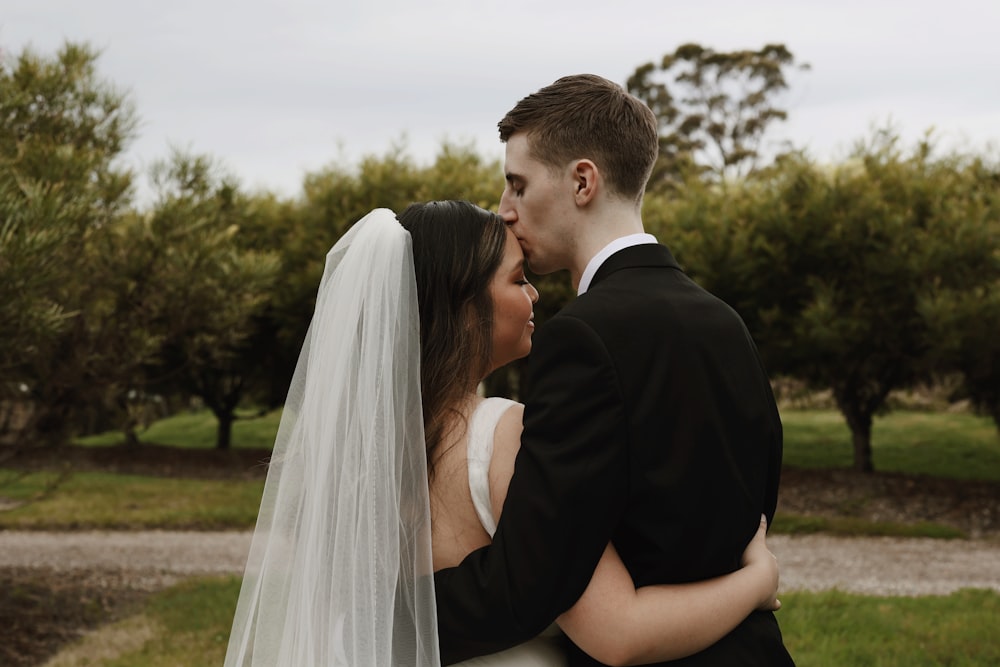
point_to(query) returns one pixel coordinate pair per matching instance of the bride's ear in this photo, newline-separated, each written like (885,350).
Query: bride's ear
(585,177)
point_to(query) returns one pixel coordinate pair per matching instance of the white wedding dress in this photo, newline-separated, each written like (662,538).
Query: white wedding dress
(544,650)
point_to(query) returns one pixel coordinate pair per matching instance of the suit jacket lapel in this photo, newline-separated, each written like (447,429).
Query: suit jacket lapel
(645,255)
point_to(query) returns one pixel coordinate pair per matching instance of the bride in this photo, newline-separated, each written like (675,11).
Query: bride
(388,466)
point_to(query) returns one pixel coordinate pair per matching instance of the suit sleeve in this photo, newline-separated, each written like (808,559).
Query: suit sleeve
(565,498)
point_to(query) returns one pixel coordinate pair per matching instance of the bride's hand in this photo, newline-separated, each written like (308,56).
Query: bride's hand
(758,556)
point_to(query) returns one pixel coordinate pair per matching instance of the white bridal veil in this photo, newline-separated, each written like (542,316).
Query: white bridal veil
(340,569)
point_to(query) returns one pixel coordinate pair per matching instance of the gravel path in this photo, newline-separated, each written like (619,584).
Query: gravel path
(886,565)
(874,566)
(146,560)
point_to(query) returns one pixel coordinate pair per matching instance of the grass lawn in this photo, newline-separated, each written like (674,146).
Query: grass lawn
(189,625)
(197,430)
(81,500)
(953,445)
(834,629)
(959,446)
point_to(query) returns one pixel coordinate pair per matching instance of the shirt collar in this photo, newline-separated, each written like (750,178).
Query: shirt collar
(618,244)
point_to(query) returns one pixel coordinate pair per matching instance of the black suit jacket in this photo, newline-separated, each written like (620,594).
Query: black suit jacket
(649,421)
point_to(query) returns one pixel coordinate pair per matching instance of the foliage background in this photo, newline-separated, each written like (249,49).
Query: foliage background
(860,278)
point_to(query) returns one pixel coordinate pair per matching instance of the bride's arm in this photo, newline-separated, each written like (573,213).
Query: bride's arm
(619,625)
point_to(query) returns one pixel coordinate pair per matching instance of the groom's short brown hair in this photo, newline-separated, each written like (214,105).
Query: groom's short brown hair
(588,116)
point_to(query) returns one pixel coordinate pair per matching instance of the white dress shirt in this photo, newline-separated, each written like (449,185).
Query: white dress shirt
(619,243)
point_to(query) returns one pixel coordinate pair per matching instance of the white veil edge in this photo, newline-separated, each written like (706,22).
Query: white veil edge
(340,569)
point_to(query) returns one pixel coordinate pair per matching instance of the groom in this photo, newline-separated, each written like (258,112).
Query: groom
(649,420)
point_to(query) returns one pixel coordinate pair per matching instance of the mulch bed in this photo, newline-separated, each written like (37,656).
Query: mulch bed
(972,507)
(145,459)
(42,610)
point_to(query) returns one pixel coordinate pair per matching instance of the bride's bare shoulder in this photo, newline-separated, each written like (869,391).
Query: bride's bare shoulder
(506,443)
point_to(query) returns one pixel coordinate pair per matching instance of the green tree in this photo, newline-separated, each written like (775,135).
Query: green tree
(336,197)
(961,305)
(964,326)
(134,312)
(62,130)
(711,232)
(31,319)
(713,109)
(274,225)
(31,235)
(64,126)
(850,255)
(333,198)
(218,286)
(458,172)
(832,268)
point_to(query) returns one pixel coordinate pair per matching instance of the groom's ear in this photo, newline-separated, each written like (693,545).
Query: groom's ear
(585,175)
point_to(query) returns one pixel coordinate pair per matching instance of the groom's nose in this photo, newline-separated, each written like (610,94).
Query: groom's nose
(507,211)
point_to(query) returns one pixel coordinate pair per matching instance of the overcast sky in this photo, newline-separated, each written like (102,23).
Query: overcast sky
(275,89)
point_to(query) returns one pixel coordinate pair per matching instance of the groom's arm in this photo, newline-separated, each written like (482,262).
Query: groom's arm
(564,500)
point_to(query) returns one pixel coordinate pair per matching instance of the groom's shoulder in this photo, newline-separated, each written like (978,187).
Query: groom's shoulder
(591,315)
(614,294)
(585,307)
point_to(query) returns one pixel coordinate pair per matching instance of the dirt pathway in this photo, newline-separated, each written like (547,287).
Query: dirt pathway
(874,566)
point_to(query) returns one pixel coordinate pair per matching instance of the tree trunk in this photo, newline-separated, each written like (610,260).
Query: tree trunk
(131,437)
(52,426)
(225,433)
(858,415)
(863,449)
(860,424)
(130,427)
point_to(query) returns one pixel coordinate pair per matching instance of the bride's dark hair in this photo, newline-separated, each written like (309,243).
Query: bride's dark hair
(457,249)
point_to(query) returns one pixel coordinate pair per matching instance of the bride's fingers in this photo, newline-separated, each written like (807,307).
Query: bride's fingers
(757,546)
(762,528)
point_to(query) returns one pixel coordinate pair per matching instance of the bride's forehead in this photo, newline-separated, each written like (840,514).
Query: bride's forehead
(512,252)
(511,258)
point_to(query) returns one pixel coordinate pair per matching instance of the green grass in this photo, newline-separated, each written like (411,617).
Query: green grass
(960,446)
(952,445)
(192,619)
(794,524)
(109,501)
(833,629)
(197,430)
(192,623)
